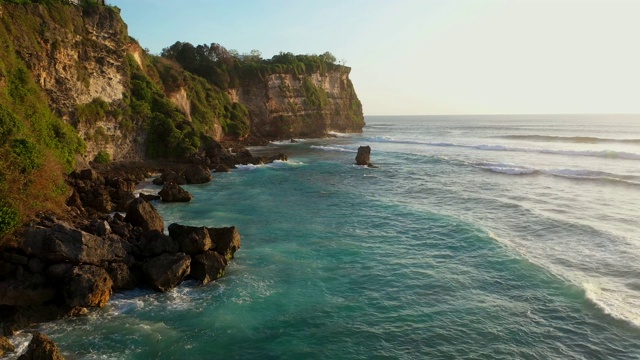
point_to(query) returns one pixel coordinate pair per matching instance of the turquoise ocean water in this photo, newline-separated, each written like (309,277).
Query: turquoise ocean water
(486,237)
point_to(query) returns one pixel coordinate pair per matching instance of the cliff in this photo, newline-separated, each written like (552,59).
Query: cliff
(286,105)
(74,86)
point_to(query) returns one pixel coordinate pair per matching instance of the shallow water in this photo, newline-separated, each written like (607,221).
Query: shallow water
(477,237)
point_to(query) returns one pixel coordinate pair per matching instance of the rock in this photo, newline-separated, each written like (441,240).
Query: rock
(167,270)
(87,286)
(121,276)
(197,174)
(121,199)
(15,258)
(6,346)
(190,239)
(149,197)
(293,141)
(26,290)
(41,347)
(141,213)
(364,156)
(102,228)
(171,176)
(158,181)
(36,265)
(154,243)
(90,175)
(172,192)
(208,266)
(121,184)
(62,243)
(222,168)
(74,200)
(58,272)
(226,241)
(99,199)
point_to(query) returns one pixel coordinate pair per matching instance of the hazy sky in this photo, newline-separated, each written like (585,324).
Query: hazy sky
(431,57)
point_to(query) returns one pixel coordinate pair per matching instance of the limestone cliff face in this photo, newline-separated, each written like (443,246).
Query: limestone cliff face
(306,105)
(77,55)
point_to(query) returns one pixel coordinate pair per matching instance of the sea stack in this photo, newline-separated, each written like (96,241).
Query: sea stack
(364,156)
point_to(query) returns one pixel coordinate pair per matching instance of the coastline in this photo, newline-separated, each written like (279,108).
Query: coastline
(94,251)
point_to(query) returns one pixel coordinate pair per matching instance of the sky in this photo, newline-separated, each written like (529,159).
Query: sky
(427,57)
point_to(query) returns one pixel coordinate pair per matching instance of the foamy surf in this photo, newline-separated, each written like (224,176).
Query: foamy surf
(615,303)
(333,148)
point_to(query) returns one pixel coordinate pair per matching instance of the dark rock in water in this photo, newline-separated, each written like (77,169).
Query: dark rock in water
(42,347)
(364,156)
(141,213)
(87,286)
(172,192)
(62,243)
(226,241)
(208,266)
(154,243)
(149,197)
(190,239)
(167,270)
(121,276)
(25,290)
(197,174)
(171,176)
(222,168)
(293,141)
(158,181)
(6,346)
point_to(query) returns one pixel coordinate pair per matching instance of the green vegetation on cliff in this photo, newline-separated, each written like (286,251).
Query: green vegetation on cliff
(36,146)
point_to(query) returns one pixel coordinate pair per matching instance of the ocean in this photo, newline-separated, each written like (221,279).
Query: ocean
(476,237)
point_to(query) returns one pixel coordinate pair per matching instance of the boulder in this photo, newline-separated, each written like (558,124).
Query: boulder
(222,168)
(170,176)
(74,200)
(101,228)
(172,192)
(58,272)
(121,276)
(87,286)
(141,213)
(149,197)
(62,243)
(226,241)
(26,290)
(208,266)
(99,199)
(158,181)
(197,174)
(364,156)
(90,175)
(293,141)
(41,347)
(167,270)
(6,346)
(154,243)
(190,239)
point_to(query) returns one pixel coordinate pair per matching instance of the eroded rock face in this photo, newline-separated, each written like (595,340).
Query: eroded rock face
(26,291)
(87,286)
(364,156)
(121,276)
(172,192)
(141,213)
(197,174)
(62,243)
(167,270)
(190,239)
(42,347)
(226,241)
(208,266)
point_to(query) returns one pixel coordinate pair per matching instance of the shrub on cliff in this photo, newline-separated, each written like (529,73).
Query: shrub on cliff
(102,157)
(9,218)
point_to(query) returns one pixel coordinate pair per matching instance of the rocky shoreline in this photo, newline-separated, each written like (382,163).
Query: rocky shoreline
(65,265)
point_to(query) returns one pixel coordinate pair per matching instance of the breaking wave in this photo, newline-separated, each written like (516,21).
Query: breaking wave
(571,139)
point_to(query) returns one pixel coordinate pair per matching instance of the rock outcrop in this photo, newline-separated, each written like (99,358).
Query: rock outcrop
(364,156)
(41,347)
(87,286)
(167,270)
(141,213)
(173,192)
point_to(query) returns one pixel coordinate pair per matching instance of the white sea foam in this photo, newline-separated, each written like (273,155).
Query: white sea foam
(21,341)
(617,304)
(508,169)
(338,134)
(247,167)
(333,148)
